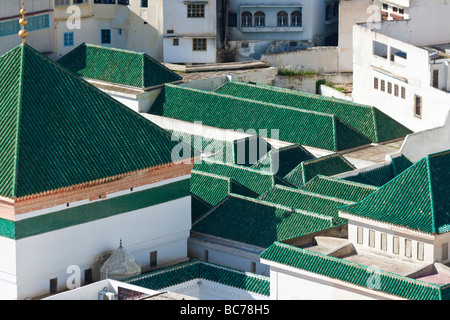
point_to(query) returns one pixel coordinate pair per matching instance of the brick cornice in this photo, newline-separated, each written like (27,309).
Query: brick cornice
(92,190)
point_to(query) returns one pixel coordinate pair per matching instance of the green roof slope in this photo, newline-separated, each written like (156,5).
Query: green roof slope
(197,269)
(259,223)
(57,130)
(416,199)
(303,200)
(328,165)
(353,273)
(117,66)
(338,188)
(370,121)
(320,130)
(281,161)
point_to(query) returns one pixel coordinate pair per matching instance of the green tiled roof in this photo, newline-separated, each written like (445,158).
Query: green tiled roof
(328,165)
(370,121)
(197,269)
(117,66)
(198,208)
(416,199)
(57,130)
(354,273)
(383,174)
(212,188)
(320,130)
(257,181)
(303,200)
(338,188)
(258,222)
(198,142)
(282,161)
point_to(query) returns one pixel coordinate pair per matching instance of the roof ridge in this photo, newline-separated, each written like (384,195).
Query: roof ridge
(343,181)
(430,187)
(295,190)
(19,111)
(237,166)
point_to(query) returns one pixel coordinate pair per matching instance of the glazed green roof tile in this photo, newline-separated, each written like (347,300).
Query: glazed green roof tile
(198,208)
(259,223)
(257,181)
(283,160)
(197,269)
(117,66)
(198,142)
(307,201)
(213,188)
(320,130)
(353,273)
(57,130)
(368,120)
(416,199)
(381,175)
(328,165)
(338,188)
(245,151)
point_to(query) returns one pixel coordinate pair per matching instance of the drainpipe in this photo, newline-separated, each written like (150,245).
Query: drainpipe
(225,38)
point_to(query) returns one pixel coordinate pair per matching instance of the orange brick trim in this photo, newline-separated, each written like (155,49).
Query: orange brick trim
(93,190)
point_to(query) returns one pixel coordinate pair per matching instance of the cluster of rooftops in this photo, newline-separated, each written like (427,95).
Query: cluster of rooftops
(60,131)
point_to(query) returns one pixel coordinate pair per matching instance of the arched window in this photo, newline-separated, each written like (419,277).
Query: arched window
(335,9)
(296,19)
(329,12)
(282,19)
(260,19)
(246,19)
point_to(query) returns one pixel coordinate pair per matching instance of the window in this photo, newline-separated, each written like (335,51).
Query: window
(420,251)
(62,3)
(176,42)
(383,85)
(79,1)
(444,251)
(106,36)
(403,92)
(195,10)
(120,31)
(198,44)
(144,3)
(329,12)
(106,1)
(252,266)
(418,106)
(232,20)
(170,31)
(401,11)
(206,255)
(385,6)
(396,245)
(435,78)
(68,39)
(389,89)
(54,285)
(359,235)
(246,19)
(375,83)
(384,241)
(293,43)
(244,45)
(371,238)
(379,49)
(87,276)
(395,9)
(123,2)
(153,259)
(408,248)
(296,19)
(260,19)
(282,19)
(396,90)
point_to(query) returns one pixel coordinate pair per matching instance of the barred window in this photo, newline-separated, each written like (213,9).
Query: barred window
(389,89)
(62,3)
(68,39)
(260,19)
(375,83)
(246,19)
(195,10)
(198,44)
(296,18)
(403,92)
(383,88)
(282,19)
(396,90)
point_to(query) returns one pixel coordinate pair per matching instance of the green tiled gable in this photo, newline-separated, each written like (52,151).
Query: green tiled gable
(284,123)
(212,188)
(327,165)
(257,181)
(259,223)
(371,122)
(117,66)
(416,199)
(57,130)
(338,188)
(197,269)
(353,273)
(282,161)
(303,200)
